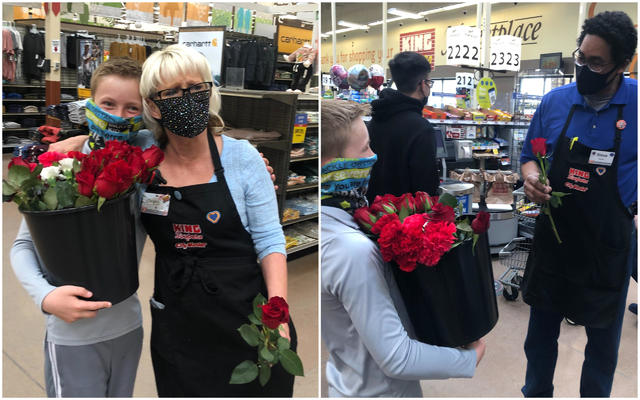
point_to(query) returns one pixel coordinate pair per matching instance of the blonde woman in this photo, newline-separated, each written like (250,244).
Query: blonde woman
(212,217)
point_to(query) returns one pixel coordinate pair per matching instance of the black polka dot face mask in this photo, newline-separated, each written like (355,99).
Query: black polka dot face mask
(187,115)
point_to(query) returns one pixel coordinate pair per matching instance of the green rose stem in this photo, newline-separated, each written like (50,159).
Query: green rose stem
(546,208)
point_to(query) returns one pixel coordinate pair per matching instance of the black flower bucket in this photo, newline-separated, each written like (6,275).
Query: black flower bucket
(84,247)
(453,303)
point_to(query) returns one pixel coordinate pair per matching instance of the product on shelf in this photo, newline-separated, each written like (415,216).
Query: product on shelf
(252,134)
(289,214)
(433,113)
(305,205)
(295,179)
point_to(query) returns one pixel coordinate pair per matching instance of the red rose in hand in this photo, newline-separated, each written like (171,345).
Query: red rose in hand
(47,159)
(384,204)
(153,156)
(275,312)
(77,155)
(20,161)
(480,223)
(90,165)
(101,156)
(441,212)
(365,218)
(116,178)
(539,147)
(86,179)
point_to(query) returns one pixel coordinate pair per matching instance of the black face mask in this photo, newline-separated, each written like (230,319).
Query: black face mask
(187,115)
(590,82)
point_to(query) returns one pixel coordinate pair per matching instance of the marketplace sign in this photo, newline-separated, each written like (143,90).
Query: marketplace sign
(291,39)
(422,42)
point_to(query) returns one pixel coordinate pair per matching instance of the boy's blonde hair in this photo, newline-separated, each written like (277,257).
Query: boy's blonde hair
(122,67)
(336,118)
(168,64)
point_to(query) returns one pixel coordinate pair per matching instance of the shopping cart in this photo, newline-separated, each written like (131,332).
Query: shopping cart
(514,256)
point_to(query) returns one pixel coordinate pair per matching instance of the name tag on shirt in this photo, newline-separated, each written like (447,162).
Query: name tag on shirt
(155,203)
(601,157)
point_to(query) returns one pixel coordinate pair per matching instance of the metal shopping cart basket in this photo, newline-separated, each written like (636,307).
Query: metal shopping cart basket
(514,256)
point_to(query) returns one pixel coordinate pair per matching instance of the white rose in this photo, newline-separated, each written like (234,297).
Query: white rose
(66,164)
(49,172)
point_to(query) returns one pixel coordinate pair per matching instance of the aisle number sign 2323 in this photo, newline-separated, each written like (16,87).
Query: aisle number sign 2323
(463,46)
(506,53)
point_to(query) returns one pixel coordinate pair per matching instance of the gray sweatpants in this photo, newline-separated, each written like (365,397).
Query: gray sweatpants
(105,369)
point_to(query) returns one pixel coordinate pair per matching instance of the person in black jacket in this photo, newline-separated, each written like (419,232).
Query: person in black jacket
(402,139)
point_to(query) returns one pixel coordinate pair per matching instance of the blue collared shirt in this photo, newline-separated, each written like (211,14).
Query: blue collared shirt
(595,129)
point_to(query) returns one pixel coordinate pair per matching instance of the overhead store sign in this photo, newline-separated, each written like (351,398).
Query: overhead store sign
(291,39)
(506,53)
(463,46)
(422,42)
(171,13)
(209,43)
(222,15)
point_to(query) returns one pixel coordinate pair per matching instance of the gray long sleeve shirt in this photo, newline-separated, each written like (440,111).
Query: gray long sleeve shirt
(365,326)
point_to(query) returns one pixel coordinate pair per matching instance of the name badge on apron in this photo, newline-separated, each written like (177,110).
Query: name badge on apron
(601,157)
(155,203)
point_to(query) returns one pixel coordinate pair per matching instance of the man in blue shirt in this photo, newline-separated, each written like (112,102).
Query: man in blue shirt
(591,132)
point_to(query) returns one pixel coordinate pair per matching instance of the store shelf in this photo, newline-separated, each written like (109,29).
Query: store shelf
(307,96)
(9,130)
(306,186)
(479,123)
(283,79)
(22,114)
(315,125)
(33,100)
(305,158)
(301,219)
(9,86)
(302,247)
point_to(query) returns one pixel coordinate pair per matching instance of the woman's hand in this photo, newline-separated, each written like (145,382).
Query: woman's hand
(64,303)
(269,169)
(284,331)
(74,143)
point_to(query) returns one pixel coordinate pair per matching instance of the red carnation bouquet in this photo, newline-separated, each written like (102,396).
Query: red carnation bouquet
(418,229)
(75,179)
(263,333)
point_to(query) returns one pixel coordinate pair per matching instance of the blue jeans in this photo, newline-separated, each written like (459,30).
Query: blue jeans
(600,354)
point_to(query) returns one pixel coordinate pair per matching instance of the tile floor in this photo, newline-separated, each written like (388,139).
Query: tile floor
(502,370)
(23,324)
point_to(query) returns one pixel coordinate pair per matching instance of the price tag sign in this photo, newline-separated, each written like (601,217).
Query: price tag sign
(326,80)
(465,82)
(506,53)
(299,128)
(486,92)
(463,46)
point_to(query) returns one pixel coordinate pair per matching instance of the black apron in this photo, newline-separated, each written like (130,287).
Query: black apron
(583,277)
(206,276)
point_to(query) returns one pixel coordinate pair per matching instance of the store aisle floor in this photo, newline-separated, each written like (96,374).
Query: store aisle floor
(23,324)
(502,370)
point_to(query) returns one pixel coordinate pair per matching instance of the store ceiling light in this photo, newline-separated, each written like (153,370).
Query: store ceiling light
(352,25)
(388,21)
(406,14)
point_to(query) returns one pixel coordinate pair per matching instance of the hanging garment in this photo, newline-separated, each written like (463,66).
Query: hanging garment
(8,56)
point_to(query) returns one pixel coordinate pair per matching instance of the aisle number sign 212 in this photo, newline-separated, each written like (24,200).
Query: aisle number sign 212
(463,46)
(506,53)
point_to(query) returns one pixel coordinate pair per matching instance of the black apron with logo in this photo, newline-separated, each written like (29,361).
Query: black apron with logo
(581,278)
(206,276)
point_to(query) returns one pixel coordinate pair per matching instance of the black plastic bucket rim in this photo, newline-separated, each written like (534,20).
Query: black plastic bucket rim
(78,209)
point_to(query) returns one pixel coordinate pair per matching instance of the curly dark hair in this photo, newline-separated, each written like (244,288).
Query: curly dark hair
(615,28)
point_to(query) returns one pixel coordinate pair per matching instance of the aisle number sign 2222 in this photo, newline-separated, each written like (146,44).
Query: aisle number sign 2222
(463,46)
(506,53)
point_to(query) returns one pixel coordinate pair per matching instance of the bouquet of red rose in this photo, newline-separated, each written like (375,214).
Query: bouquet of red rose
(418,229)
(272,348)
(539,148)
(75,179)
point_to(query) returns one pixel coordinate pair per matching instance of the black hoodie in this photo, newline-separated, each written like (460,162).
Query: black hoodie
(405,144)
